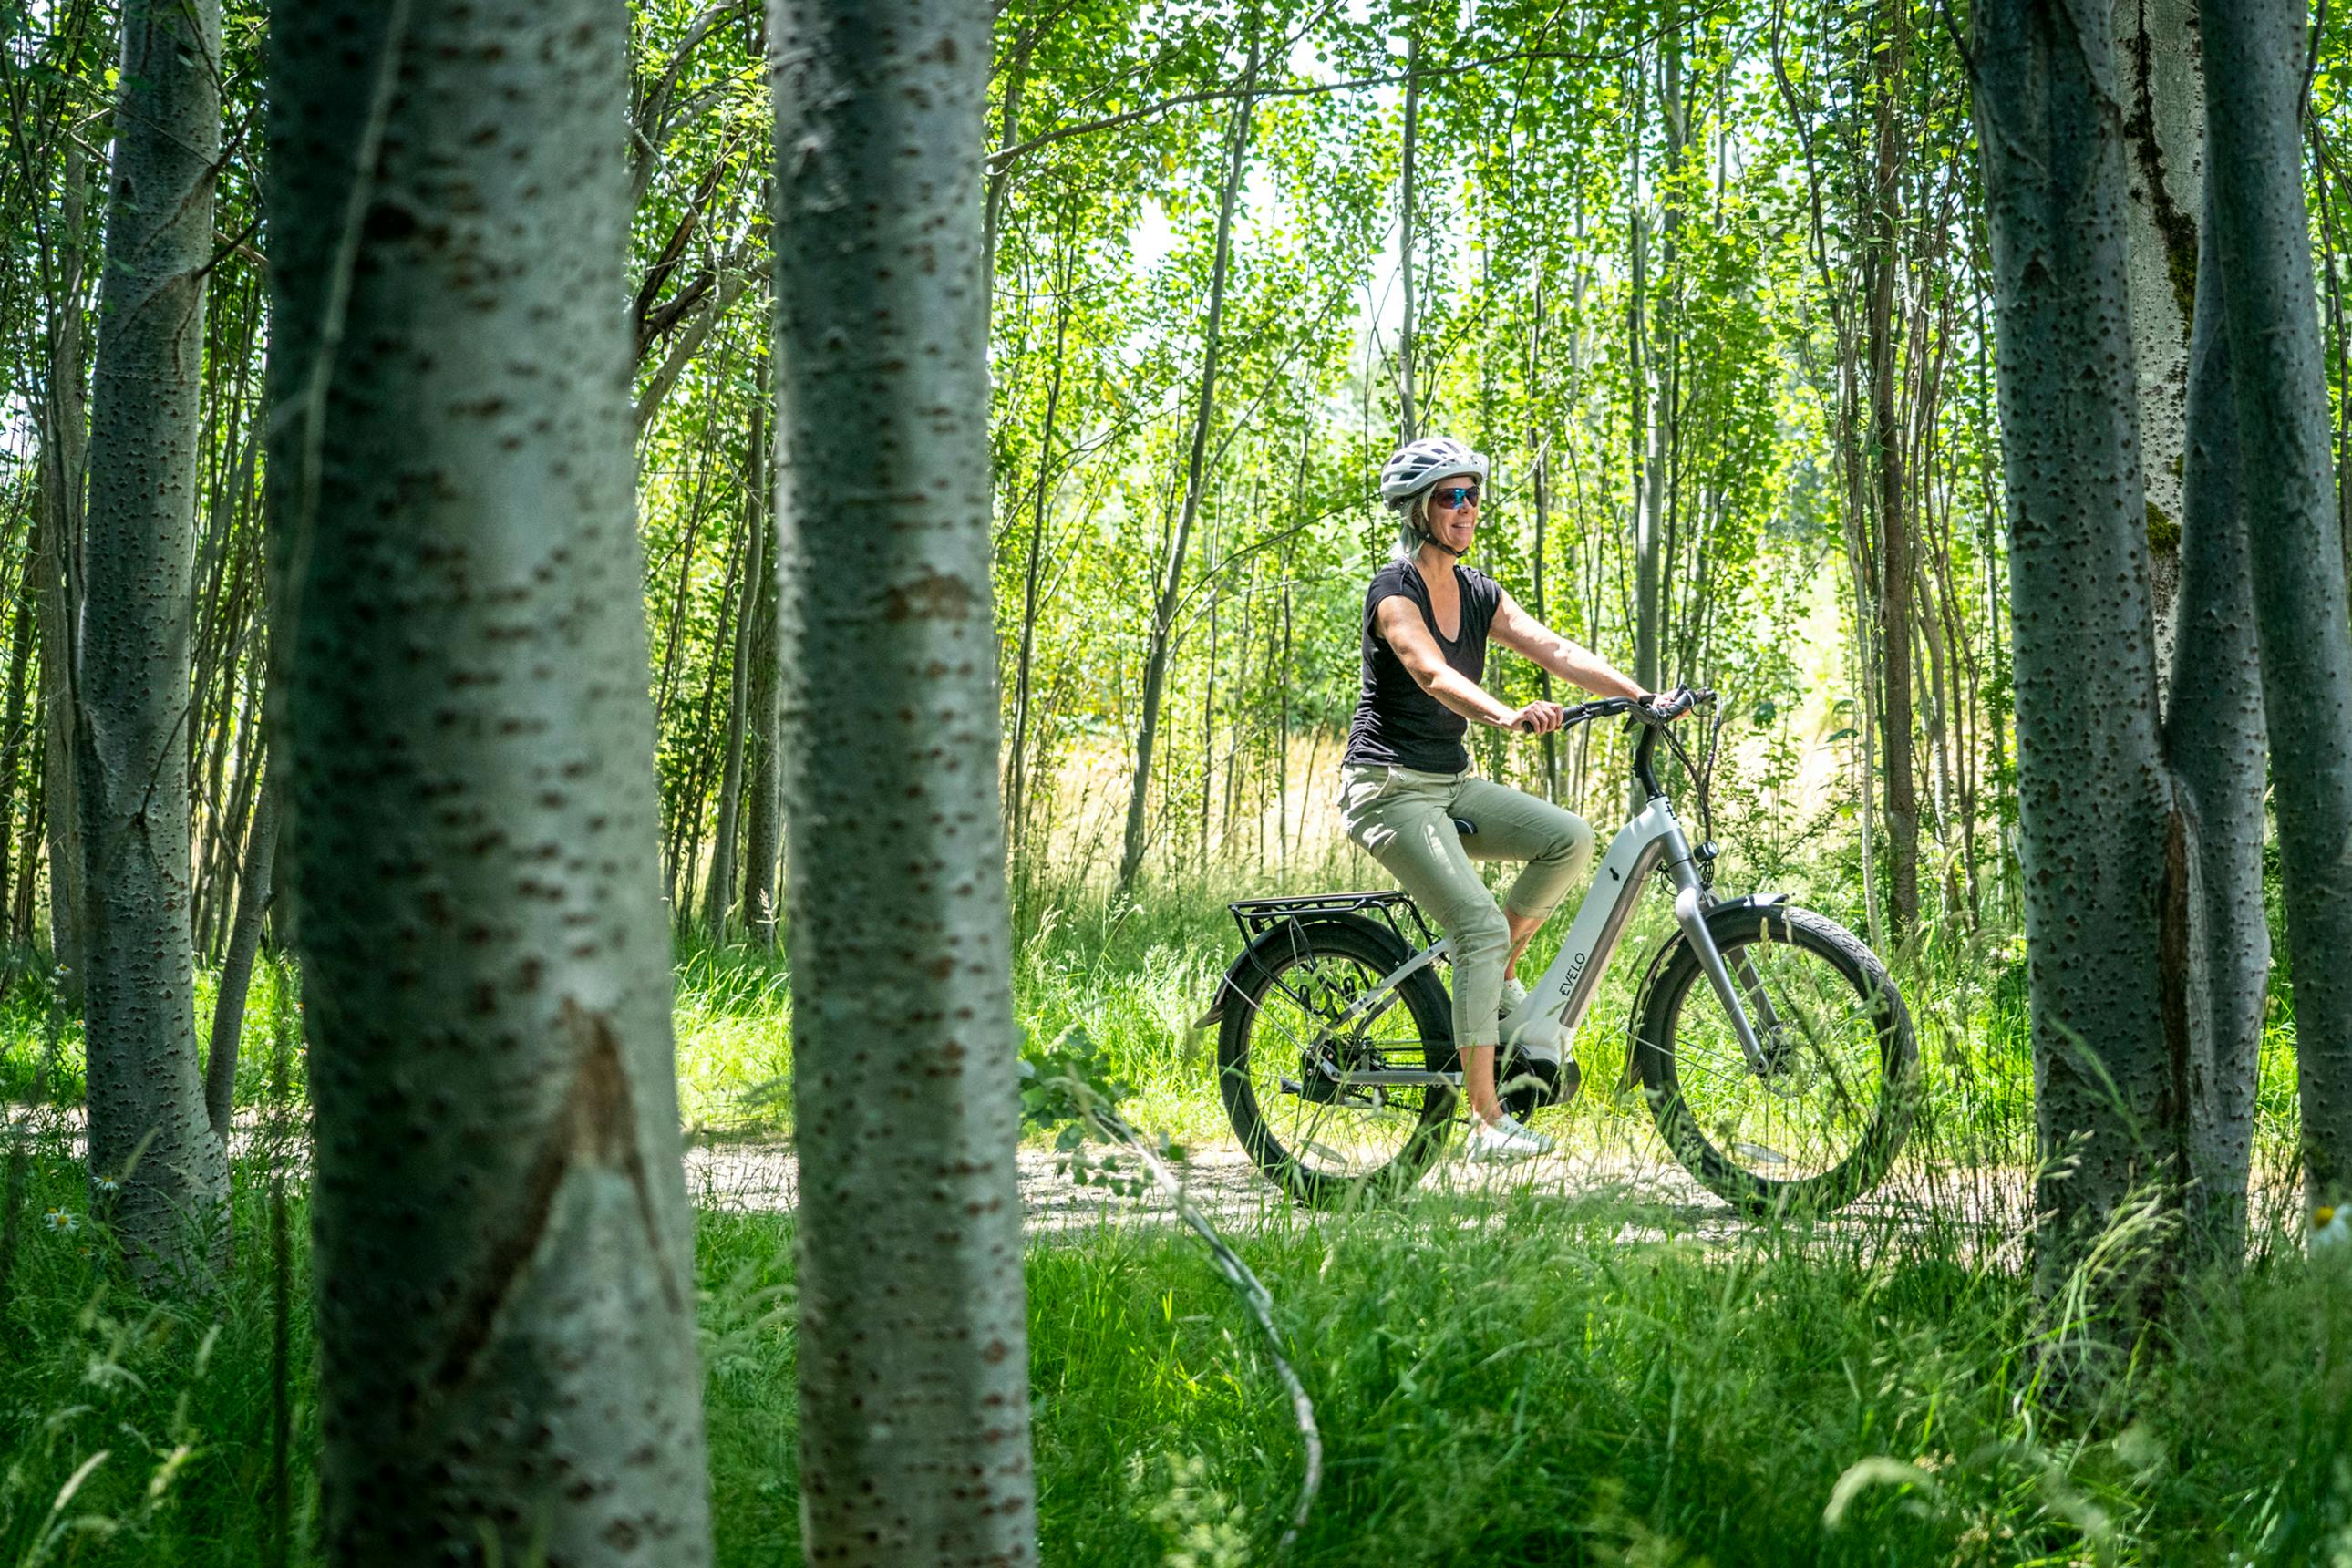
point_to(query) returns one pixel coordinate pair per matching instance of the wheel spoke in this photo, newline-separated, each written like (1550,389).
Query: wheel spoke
(1303,1032)
(1817,1099)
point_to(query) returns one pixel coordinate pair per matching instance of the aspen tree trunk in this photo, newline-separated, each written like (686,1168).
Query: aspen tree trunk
(2213,733)
(1171,584)
(1408,412)
(20,913)
(1655,608)
(499,1226)
(1866,644)
(2092,794)
(60,838)
(763,832)
(1541,442)
(58,572)
(1644,501)
(719,901)
(1648,431)
(15,728)
(1000,178)
(1282,735)
(2253,80)
(147,1123)
(1242,731)
(1895,542)
(2161,61)
(914,1364)
(2339,347)
(1933,712)
(235,828)
(1024,661)
(254,882)
(1856,509)
(707,743)
(1988,553)
(1209,703)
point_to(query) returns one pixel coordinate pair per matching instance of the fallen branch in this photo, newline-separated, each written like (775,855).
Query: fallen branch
(1069,1085)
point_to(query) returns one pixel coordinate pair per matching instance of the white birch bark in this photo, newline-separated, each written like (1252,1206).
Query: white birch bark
(500,1232)
(763,825)
(2214,736)
(2254,77)
(2094,794)
(913,1361)
(2160,66)
(63,413)
(148,1130)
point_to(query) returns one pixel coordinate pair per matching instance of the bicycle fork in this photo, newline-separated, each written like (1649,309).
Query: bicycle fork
(1736,984)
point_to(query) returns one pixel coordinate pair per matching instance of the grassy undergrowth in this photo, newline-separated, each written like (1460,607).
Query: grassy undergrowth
(1498,1381)
(1136,974)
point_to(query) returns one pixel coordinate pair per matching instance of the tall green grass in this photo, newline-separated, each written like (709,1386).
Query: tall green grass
(1498,1379)
(1137,973)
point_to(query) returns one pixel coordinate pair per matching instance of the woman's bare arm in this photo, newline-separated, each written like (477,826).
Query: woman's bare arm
(1400,622)
(1522,633)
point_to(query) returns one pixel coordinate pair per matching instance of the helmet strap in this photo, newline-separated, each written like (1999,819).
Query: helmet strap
(1419,515)
(1429,538)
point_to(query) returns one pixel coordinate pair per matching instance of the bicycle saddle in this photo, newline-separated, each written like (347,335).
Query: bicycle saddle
(1464,827)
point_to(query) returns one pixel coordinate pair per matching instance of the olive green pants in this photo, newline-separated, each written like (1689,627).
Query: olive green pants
(1405,819)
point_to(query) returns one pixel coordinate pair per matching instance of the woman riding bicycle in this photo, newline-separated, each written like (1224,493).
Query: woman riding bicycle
(1405,776)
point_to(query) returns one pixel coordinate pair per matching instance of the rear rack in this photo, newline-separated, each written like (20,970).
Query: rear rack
(1259,916)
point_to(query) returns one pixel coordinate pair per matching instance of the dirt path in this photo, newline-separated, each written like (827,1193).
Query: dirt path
(1630,1182)
(1652,1197)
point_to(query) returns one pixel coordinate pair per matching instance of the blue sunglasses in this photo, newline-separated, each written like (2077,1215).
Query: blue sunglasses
(1456,497)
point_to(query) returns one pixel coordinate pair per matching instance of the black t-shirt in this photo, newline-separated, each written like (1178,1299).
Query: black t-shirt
(1396,722)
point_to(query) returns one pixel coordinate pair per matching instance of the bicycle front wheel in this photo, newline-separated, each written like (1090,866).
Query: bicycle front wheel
(1817,1119)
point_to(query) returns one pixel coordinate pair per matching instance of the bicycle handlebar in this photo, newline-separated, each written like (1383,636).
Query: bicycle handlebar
(1672,705)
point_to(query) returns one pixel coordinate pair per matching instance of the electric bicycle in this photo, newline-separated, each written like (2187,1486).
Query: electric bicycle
(1776,1055)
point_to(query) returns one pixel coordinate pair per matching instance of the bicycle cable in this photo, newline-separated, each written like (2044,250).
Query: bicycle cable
(1609,706)
(1699,785)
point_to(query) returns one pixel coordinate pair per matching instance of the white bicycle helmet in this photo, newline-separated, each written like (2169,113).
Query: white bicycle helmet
(1419,465)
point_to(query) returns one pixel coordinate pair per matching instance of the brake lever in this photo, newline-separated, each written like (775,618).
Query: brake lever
(1682,699)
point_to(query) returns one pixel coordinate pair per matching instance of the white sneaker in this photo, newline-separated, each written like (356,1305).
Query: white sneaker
(1513,994)
(1502,1140)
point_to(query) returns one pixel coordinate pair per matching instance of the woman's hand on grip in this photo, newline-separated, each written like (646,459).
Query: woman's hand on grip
(1538,718)
(1667,706)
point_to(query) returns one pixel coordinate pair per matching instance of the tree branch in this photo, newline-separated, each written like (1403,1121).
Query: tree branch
(1429,73)
(734,279)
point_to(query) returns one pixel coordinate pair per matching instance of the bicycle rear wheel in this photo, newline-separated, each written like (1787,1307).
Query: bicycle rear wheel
(1284,1058)
(1818,1120)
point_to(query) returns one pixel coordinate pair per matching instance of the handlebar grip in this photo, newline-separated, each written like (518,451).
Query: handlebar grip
(1679,701)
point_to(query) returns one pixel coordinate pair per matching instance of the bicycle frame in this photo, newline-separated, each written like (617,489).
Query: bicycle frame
(1541,1026)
